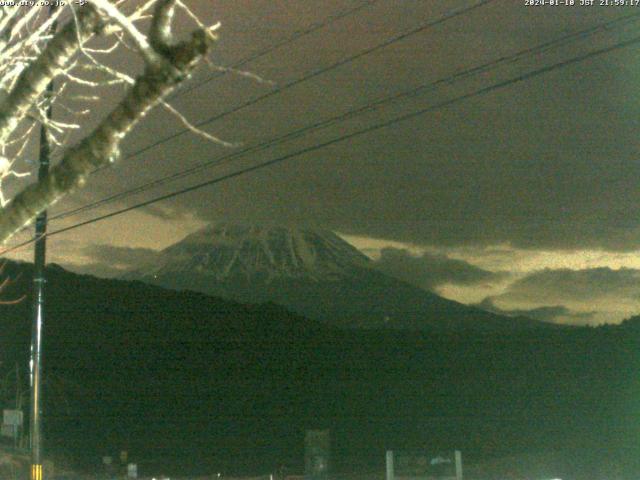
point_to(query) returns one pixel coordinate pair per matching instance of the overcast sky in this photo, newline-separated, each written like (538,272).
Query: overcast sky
(523,199)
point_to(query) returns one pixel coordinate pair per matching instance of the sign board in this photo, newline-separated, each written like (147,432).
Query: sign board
(425,464)
(10,431)
(317,446)
(12,417)
(132,470)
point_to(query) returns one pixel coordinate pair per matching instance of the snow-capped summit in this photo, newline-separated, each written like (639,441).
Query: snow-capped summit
(259,253)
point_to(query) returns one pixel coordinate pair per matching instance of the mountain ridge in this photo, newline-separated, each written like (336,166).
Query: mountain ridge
(313,273)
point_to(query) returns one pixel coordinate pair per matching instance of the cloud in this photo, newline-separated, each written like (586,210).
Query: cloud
(110,258)
(565,285)
(96,269)
(166,212)
(429,271)
(552,314)
(593,295)
(539,174)
(528,165)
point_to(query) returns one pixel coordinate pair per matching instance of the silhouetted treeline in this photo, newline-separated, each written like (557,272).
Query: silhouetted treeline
(192,384)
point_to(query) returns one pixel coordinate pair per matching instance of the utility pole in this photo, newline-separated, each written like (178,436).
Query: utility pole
(39,280)
(35,364)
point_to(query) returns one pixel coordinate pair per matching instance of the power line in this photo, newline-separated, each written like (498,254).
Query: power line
(448,16)
(315,73)
(295,36)
(384,124)
(354,112)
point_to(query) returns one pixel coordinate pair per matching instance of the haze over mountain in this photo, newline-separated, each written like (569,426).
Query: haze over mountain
(313,273)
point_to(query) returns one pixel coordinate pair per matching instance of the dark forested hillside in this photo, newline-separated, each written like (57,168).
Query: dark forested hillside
(190,383)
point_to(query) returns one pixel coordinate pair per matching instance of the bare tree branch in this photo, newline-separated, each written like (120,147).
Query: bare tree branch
(34,79)
(31,57)
(101,147)
(160,31)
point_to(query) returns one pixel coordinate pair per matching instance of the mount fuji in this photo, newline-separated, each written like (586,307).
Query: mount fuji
(313,273)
